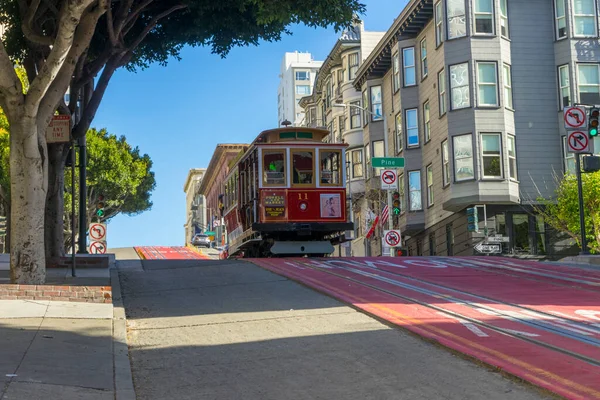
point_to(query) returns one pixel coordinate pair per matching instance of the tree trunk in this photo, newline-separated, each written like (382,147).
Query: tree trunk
(55,199)
(28,198)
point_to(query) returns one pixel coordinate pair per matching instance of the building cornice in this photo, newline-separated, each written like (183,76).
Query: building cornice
(407,25)
(216,162)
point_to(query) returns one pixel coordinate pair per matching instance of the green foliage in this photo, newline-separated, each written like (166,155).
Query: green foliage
(119,173)
(562,213)
(221,25)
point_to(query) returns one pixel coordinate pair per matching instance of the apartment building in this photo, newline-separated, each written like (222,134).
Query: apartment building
(336,105)
(195,207)
(297,77)
(471,93)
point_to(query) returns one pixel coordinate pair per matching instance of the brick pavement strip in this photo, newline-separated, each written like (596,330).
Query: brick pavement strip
(86,294)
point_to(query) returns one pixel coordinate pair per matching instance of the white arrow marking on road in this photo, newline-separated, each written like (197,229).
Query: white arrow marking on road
(469,325)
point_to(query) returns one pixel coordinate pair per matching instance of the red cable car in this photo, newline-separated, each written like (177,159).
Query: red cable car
(286,195)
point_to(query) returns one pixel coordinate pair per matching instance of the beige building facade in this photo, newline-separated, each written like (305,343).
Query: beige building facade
(195,204)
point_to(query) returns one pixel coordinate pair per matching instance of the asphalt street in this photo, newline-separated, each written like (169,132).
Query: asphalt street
(231,330)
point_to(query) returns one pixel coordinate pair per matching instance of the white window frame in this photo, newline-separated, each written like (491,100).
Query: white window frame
(442,92)
(507,82)
(411,128)
(424,65)
(458,89)
(378,153)
(480,84)
(487,16)
(367,158)
(304,94)
(408,64)
(439,23)
(511,155)
(413,206)
(303,72)
(445,164)
(376,102)
(396,72)
(562,86)
(427,121)
(579,85)
(499,156)
(460,18)
(468,156)
(593,16)
(399,133)
(366,106)
(352,68)
(560,18)
(356,163)
(504,29)
(355,111)
(429,184)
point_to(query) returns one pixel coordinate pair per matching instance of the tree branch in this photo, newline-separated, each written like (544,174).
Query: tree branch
(27,26)
(133,16)
(121,15)
(152,24)
(61,81)
(89,111)
(70,29)
(11,89)
(110,27)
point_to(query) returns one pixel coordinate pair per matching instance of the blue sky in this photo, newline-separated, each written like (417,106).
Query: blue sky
(179,113)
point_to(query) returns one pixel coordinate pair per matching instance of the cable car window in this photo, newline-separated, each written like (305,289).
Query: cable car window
(303,167)
(331,173)
(274,167)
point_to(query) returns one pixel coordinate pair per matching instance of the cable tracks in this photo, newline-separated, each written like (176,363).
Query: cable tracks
(555,333)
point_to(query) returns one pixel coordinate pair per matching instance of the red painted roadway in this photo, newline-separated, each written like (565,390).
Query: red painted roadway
(169,253)
(536,321)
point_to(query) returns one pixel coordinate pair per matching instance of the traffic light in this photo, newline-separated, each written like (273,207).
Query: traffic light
(100,206)
(396,203)
(593,124)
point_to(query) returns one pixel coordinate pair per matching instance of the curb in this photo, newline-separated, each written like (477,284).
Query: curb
(124,389)
(140,253)
(195,249)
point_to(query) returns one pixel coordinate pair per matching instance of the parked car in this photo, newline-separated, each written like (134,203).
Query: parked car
(201,240)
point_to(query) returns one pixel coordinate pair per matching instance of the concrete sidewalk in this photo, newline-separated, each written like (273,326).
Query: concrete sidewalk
(65,350)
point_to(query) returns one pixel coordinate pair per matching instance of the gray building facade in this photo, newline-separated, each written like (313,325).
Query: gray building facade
(472,93)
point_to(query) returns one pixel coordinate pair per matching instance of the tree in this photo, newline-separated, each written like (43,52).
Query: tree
(67,43)
(562,212)
(118,173)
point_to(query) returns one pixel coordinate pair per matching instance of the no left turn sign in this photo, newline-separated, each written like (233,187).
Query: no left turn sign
(98,232)
(575,117)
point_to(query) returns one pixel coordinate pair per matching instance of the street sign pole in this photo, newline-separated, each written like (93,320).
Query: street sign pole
(584,248)
(390,221)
